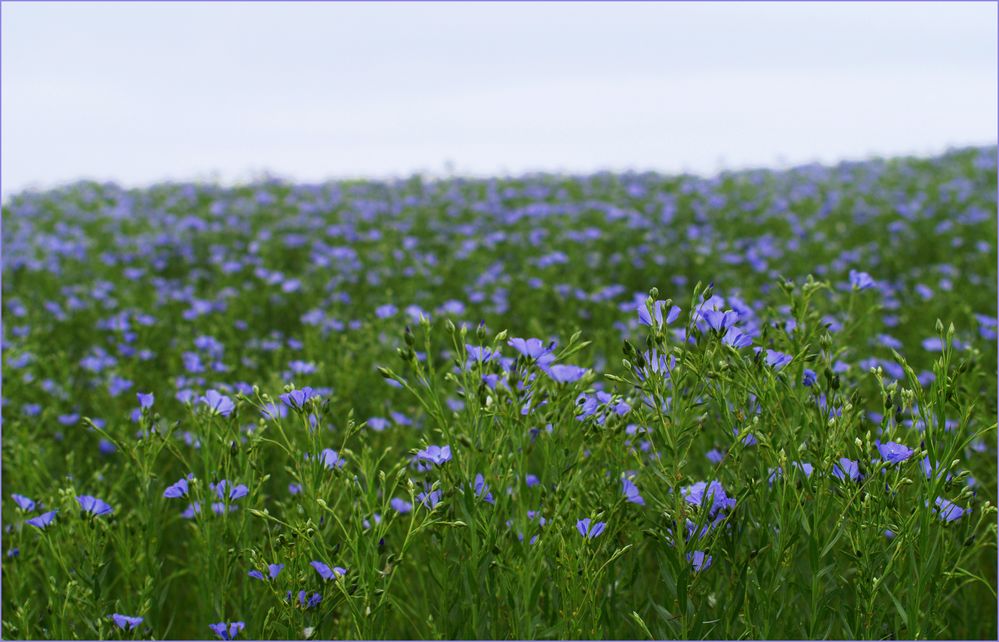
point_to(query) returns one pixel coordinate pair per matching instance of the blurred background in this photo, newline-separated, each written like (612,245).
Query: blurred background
(139,93)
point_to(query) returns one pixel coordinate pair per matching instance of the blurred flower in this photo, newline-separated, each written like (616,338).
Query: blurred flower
(42,520)
(435,454)
(227,631)
(25,504)
(217,403)
(630,491)
(126,622)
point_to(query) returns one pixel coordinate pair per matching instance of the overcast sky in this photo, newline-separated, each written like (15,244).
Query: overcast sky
(137,93)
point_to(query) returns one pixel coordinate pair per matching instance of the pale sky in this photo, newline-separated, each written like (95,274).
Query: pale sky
(138,93)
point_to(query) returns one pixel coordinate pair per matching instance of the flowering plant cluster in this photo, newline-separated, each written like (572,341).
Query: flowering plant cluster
(459,409)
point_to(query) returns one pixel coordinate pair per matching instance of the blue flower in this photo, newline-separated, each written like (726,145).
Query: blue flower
(534,349)
(777,360)
(326,572)
(273,571)
(480,353)
(296,399)
(893,452)
(178,489)
(719,321)
(437,455)
(565,373)
(400,505)
(748,440)
(218,404)
(699,560)
(846,469)
(948,510)
(429,499)
(93,505)
(809,377)
(331,459)
(703,492)
(306,601)
(126,622)
(145,401)
(630,491)
(861,280)
(657,311)
(42,520)
(737,338)
(482,490)
(588,531)
(27,505)
(227,631)
(929,469)
(235,492)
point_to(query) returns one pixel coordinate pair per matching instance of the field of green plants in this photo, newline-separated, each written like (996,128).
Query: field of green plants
(756,405)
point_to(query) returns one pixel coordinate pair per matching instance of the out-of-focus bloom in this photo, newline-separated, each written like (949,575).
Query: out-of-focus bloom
(482,490)
(126,622)
(25,504)
(227,631)
(861,280)
(699,560)
(564,373)
(332,459)
(178,489)
(949,511)
(218,404)
(534,349)
(42,520)
(437,455)
(630,491)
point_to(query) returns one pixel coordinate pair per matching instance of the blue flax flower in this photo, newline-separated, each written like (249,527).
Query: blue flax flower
(437,455)
(861,280)
(42,520)
(94,506)
(326,572)
(656,318)
(893,452)
(218,404)
(846,469)
(534,349)
(588,531)
(482,490)
(227,631)
(296,399)
(272,569)
(699,560)
(179,489)
(25,504)
(949,511)
(630,491)
(126,622)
